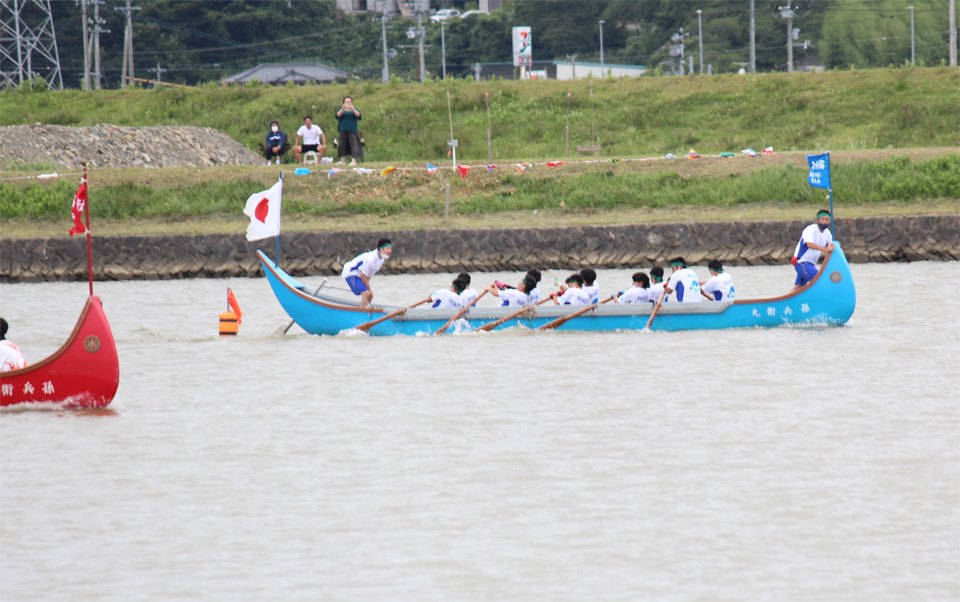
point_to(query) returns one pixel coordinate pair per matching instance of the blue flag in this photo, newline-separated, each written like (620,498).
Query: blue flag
(819,176)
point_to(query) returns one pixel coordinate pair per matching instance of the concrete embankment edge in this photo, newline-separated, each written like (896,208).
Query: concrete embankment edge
(873,239)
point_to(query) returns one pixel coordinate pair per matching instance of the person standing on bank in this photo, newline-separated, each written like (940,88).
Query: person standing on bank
(349,145)
(358,271)
(312,136)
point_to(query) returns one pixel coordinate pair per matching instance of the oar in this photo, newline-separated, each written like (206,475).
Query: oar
(314,294)
(564,319)
(656,308)
(366,326)
(459,314)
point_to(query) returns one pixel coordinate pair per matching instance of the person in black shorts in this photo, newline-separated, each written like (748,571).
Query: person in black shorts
(312,137)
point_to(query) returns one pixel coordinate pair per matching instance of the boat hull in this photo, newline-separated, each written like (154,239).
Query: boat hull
(83,373)
(829,299)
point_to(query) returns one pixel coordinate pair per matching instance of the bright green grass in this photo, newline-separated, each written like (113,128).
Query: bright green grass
(895,180)
(649,116)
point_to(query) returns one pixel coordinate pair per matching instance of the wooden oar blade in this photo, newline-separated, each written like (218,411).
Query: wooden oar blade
(366,326)
(459,314)
(491,325)
(563,320)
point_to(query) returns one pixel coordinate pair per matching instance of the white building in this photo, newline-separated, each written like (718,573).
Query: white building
(407,8)
(578,70)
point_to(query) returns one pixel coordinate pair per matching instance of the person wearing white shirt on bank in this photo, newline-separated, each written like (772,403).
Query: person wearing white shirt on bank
(816,238)
(312,136)
(684,282)
(358,271)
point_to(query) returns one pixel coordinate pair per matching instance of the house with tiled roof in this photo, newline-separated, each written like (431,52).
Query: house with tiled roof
(279,74)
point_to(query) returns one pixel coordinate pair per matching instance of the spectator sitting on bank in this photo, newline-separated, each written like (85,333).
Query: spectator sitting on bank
(349,145)
(276,143)
(312,136)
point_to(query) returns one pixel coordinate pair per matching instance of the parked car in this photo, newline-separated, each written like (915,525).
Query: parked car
(444,13)
(471,13)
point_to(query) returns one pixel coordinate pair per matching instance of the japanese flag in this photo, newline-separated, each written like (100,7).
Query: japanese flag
(263,209)
(79,204)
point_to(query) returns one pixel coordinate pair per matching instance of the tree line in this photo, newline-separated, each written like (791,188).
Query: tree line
(196,41)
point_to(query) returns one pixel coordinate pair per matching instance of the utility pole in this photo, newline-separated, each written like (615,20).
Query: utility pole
(443,49)
(573,64)
(700,38)
(913,46)
(753,38)
(476,71)
(601,46)
(97,30)
(383,32)
(86,45)
(787,13)
(158,71)
(127,69)
(953,33)
(420,32)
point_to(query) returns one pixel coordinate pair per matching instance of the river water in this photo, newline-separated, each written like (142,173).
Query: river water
(783,464)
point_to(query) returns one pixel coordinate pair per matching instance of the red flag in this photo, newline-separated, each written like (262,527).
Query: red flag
(463,169)
(232,301)
(79,206)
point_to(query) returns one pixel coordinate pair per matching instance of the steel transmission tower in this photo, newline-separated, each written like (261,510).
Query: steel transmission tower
(28,43)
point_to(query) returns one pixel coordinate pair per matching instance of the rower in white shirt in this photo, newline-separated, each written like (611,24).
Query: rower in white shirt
(657,285)
(639,292)
(535,293)
(574,294)
(590,285)
(684,282)
(469,295)
(514,296)
(720,286)
(10,356)
(449,297)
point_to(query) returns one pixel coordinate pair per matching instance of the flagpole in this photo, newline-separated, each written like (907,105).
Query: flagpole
(89,245)
(830,190)
(279,215)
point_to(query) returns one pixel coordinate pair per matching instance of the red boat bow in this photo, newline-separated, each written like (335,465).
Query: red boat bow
(83,373)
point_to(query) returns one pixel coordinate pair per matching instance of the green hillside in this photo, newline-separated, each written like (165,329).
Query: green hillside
(650,116)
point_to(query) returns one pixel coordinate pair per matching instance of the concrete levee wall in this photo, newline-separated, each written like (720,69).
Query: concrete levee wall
(874,239)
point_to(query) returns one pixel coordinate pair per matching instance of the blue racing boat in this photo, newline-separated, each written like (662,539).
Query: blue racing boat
(828,299)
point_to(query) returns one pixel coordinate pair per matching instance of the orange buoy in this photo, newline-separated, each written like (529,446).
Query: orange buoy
(228,323)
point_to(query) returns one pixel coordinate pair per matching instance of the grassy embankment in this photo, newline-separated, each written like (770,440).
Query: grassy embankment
(894,136)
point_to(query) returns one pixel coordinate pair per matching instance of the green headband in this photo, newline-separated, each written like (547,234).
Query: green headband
(822,213)
(678,263)
(384,246)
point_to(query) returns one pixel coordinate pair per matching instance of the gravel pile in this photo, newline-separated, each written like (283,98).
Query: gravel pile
(112,146)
